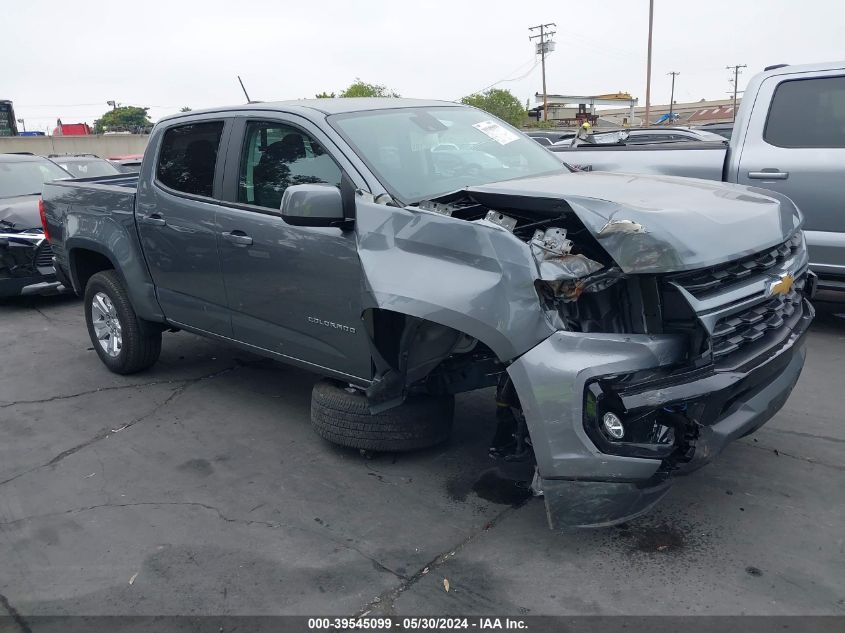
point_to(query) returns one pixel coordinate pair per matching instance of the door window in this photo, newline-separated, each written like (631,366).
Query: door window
(188,157)
(807,113)
(276,156)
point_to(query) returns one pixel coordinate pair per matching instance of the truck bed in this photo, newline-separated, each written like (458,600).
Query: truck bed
(98,194)
(694,159)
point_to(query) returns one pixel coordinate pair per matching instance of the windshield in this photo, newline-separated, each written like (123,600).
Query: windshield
(88,168)
(420,153)
(28,177)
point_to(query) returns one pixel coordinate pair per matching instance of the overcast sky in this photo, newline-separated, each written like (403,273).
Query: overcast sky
(67,59)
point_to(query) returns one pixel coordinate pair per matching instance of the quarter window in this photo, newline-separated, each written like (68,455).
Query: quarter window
(277,156)
(188,157)
(807,113)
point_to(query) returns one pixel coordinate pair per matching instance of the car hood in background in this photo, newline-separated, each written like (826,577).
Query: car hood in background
(19,213)
(655,224)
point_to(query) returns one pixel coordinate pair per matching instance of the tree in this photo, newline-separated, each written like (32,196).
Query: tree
(325,95)
(185,109)
(123,119)
(500,103)
(362,89)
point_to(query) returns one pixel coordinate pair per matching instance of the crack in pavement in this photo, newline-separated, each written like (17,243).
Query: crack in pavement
(799,458)
(69,396)
(811,436)
(16,617)
(386,600)
(109,432)
(220,514)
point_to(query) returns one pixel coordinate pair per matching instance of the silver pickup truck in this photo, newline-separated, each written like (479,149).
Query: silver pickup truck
(789,137)
(410,250)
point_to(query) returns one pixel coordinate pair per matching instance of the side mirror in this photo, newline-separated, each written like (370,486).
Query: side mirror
(313,205)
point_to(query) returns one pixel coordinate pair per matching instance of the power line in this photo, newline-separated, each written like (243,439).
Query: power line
(546,45)
(736,69)
(533,61)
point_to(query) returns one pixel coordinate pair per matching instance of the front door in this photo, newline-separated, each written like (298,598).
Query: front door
(295,291)
(797,147)
(175,217)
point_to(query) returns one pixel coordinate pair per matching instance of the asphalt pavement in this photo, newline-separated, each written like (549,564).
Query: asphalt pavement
(198,487)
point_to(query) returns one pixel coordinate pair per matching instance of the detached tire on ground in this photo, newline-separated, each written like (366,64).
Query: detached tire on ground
(124,342)
(341,416)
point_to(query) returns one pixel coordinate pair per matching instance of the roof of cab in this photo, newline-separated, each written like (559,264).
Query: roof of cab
(20,158)
(325,106)
(789,69)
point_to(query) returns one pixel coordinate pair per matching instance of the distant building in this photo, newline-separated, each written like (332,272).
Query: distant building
(694,113)
(72,129)
(8,125)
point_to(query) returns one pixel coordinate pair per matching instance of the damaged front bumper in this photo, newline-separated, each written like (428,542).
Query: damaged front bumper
(26,265)
(590,481)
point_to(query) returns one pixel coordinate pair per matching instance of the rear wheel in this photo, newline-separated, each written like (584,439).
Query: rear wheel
(124,342)
(341,415)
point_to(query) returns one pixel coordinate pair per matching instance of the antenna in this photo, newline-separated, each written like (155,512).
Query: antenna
(248,100)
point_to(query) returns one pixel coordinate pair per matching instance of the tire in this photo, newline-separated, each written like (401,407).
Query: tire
(341,416)
(125,343)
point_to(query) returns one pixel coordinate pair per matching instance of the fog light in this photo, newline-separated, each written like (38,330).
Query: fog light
(613,425)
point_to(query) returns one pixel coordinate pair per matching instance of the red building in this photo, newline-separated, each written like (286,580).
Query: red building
(71,129)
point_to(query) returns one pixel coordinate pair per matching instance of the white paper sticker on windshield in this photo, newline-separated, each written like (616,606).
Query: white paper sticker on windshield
(501,135)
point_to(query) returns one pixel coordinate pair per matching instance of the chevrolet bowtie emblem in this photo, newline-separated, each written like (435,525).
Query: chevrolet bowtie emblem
(782,286)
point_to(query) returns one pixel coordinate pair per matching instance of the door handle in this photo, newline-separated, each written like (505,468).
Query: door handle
(153,218)
(774,174)
(238,238)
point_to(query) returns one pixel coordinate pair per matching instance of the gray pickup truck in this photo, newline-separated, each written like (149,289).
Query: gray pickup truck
(789,137)
(411,250)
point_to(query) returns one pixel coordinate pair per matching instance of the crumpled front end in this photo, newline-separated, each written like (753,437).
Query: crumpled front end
(26,263)
(614,416)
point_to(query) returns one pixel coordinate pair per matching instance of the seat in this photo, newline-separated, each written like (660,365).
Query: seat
(272,175)
(199,160)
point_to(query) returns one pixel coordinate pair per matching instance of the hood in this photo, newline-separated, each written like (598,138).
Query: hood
(656,224)
(19,213)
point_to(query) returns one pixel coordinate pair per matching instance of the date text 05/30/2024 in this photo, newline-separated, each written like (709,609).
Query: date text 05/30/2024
(421,623)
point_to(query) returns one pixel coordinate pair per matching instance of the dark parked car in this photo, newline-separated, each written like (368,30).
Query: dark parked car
(127,163)
(85,165)
(722,129)
(26,261)
(553,136)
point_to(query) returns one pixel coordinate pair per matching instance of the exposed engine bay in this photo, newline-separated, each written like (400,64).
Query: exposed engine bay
(581,287)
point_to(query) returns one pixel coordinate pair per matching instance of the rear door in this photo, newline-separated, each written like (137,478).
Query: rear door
(796,145)
(292,290)
(177,199)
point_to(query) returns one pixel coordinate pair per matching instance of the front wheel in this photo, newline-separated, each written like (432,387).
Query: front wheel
(124,342)
(342,416)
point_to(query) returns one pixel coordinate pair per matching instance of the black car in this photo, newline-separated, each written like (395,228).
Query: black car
(85,165)
(26,261)
(553,136)
(722,129)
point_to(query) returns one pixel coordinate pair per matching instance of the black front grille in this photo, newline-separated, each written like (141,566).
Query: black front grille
(701,282)
(44,255)
(740,337)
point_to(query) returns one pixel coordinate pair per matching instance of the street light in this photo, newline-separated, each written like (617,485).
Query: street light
(112,104)
(23,125)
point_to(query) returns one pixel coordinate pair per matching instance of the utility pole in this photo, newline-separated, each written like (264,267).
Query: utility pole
(736,69)
(648,64)
(672,96)
(543,47)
